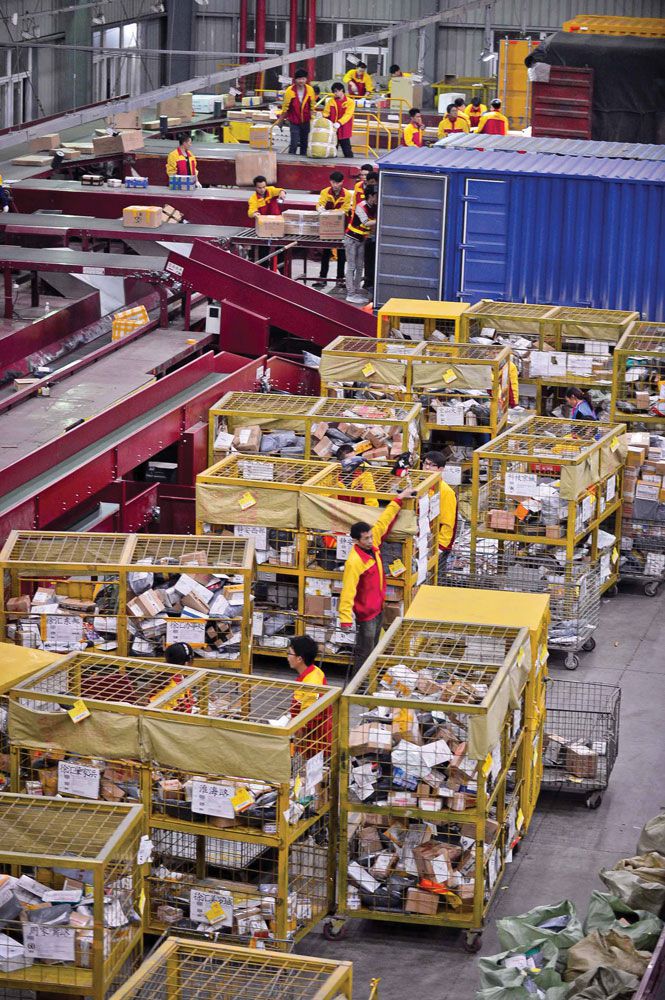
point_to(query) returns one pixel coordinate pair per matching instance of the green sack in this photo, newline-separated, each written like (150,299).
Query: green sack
(548,981)
(494,973)
(639,881)
(606,912)
(652,837)
(524,932)
(607,949)
(604,984)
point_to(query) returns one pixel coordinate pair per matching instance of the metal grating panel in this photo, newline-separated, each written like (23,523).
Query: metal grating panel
(173,550)
(67,548)
(57,827)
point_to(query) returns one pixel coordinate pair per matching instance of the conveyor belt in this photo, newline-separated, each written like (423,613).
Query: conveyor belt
(158,192)
(38,224)
(76,261)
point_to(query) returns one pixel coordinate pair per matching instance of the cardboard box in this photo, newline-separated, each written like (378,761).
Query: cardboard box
(369,841)
(178,107)
(316,606)
(270,226)
(259,136)
(299,222)
(419,901)
(251,164)
(501,520)
(171,214)
(142,216)
(642,400)
(554,531)
(33,160)
(491,830)
(92,180)
(370,738)
(332,224)
(125,119)
(247,439)
(323,448)
(124,142)
(41,143)
(581,761)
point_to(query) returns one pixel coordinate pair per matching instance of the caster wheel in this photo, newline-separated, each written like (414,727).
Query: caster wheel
(335,930)
(651,588)
(594,800)
(473,942)
(613,591)
(589,645)
(572,661)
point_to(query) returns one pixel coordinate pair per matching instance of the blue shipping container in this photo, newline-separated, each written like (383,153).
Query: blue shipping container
(460,224)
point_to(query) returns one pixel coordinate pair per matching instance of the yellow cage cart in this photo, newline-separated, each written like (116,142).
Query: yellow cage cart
(259,423)
(379,369)
(181,969)
(380,430)
(134,594)
(257,497)
(329,504)
(432,730)
(242,812)
(77,862)
(525,610)
(518,325)
(638,387)
(420,319)
(17,664)
(552,482)
(584,341)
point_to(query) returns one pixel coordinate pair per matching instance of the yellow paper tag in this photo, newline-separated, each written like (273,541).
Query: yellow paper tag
(78,712)
(246,501)
(369,369)
(614,444)
(142,902)
(397,568)
(449,376)
(297,785)
(215,912)
(362,446)
(487,764)
(615,554)
(519,820)
(520,658)
(241,798)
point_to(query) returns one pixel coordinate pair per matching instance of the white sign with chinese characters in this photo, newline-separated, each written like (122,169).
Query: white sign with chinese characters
(212,800)
(78,780)
(201,902)
(55,943)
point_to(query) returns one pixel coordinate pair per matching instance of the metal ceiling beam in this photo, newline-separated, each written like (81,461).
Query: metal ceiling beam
(152,98)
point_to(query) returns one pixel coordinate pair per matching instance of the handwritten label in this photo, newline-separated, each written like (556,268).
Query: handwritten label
(344,546)
(212,800)
(49,942)
(182,630)
(521,484)
(202,903)
(78,780)
(79,711)
(63,631)
(313,772)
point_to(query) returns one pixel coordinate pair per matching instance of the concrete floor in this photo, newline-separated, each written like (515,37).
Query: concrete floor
(567,843)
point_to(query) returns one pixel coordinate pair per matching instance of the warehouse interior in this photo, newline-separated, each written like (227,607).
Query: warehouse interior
(332,516)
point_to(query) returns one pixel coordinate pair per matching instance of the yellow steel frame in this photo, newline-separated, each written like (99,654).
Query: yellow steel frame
(420,310)
(180,968)
(365,350)
(606,24)
(587,438)
(44,555)
(643,342)
(125,827)
(240,409)
(354,702)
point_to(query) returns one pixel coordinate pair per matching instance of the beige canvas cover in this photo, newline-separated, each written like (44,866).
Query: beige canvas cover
(221,504)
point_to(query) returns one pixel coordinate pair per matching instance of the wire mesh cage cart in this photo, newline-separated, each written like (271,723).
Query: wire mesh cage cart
(181,968)
(17,664)
(638,384)
(581,740)
(74,898)
(432,731)
(351,366)
(420,319)
(282,419)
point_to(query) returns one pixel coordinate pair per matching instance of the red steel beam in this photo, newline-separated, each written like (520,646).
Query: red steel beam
(311,36)
(293,27)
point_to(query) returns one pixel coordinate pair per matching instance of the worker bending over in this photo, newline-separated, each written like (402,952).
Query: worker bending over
(451,123)
(581,407)
(181,162)
(266,200)
(434,461)
(493,122)
(359,81)
(474,111)
(299,99)
(358,231)
(415,130)
(316,735)
(339,110)
(364,580)
(333,197)
(355,475)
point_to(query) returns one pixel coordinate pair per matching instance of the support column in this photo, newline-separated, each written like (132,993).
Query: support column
(78,31)
(293,28)
(311,36)
(179,35)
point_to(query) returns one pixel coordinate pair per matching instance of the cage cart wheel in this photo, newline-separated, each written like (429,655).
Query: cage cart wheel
(651,588)
(593,800)
(335,929)
(589,645)
(473,941)
(572,661)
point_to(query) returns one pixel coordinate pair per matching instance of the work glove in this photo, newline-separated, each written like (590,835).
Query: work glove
(5,208)
(336,126)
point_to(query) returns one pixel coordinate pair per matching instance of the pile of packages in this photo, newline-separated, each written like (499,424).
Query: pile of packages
(645,387)
(53,923)
(643,538)
(58,623)
(47,773)
(464,408)
(299,223)
(550,955)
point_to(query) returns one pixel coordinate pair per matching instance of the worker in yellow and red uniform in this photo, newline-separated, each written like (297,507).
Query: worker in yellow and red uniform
(513,383)
(395,74)
(415,130)
(359,230)
(368,175)
(359,81)
(451,123)
(364,580)
(299,99)
(434,461)
(494,122)
(181,161)
(355,476)
(339,110)
(266,200)
(316,735)
(333,197)
(460,104)
(474,111)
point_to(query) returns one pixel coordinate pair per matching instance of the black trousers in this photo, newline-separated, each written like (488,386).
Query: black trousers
(370,260)
(299,137)
(341,263)
(346,148)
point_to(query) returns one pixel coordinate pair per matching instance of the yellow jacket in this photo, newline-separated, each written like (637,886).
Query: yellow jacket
(348,112)
(448,515)
(364,481)
(413,134)
(364,580)
(367,80)
(302,699)
(309,97)
(448,127)
(328,200)
(255,203)
(514,382)
(176,158)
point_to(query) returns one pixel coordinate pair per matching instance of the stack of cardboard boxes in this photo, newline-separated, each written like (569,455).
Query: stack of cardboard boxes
(643,536)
